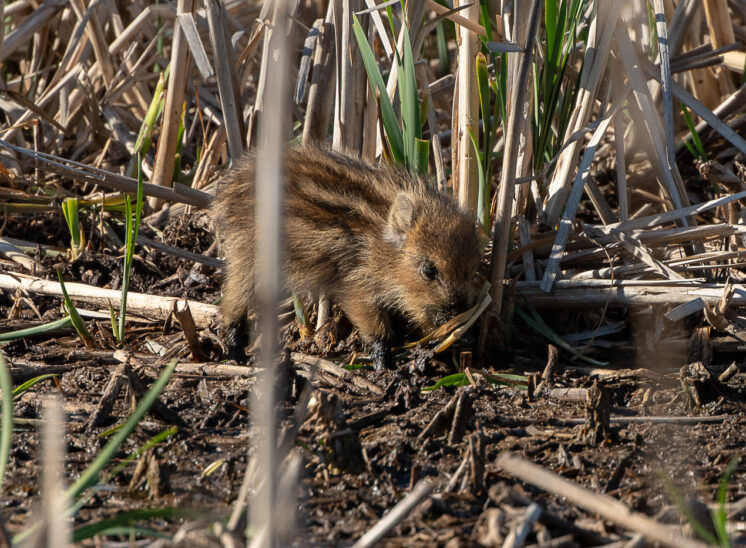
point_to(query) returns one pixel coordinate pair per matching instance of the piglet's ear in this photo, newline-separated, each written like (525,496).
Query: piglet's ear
(401,218)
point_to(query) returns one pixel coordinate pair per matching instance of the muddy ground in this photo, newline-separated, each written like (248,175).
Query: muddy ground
(366,437)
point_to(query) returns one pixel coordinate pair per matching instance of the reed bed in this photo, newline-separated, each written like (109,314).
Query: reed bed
(598,145)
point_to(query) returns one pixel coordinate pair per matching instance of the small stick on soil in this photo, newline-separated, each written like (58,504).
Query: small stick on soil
(333,369)
(392,518)
(476,452)
(546,376)
(440,420)
(657,419)
(461,416)
(726,375)
(186,320)
(565,294)
(604,505)
(19,257)
(456,477)
(214,370)
(137,303)
(518,534)
(106,403)
(159,409)
(568,394)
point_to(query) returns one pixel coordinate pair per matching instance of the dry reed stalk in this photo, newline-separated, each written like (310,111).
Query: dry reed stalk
(672,185)
(502,222)
(268,213)
(465,22)
(608,507)
(78,171)
(180,62)
(721,34)
(55,504)
(41,16)
(665,81)
(703,112)
(223,59)
(594,62)
(703,82)
(465,119)
(435,145)
(573,200)
(137,303)
(351,85)
(324,76)
(525,145)
(621,164)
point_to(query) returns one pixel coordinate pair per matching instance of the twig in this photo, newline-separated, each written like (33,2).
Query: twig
(137,303)
(501,229)
(518,534)
(608,507)
(332,368)
(392,518)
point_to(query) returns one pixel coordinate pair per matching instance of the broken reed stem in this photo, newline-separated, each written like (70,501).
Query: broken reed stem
(594,63)
(268,211)
(467,115)
(721,34)
(501,229)
(232,112)
(163,168)
(137,303)
(609,508)
(55,503)
(394,516)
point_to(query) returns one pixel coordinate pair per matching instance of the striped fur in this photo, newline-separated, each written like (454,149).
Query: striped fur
(366,236)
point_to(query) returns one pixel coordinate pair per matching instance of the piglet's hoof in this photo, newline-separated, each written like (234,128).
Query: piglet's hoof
(236,340)
(380,355)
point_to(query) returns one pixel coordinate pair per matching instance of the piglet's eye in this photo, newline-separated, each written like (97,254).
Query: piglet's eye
(429,271)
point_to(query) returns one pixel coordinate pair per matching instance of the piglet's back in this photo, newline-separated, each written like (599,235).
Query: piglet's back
(334,206)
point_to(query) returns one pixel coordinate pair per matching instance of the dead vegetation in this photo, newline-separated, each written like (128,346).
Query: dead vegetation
(606,167)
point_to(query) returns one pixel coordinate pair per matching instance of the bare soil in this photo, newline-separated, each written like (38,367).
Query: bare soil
(363,448)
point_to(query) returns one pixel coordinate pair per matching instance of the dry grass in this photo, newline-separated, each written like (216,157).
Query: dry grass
(596,200)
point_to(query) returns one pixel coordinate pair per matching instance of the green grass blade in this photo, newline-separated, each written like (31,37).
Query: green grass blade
(485,20)
(131,238)
(125,519)
(700,149)
(114,328)
(461,379)
(537,323)
(145,135)
(38,330)
(457,379)
(483,199)
(179,141)
(125,270)
(75,318)
(152,442)
(91,474)
(678,501)
(443,58)
(6,436)
(388,116)
(410,104)
(31,382)
(70,212)
(720,516)
(485,176)
(422,155)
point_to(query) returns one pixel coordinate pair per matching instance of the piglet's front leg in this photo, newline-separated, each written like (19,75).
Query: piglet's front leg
(374,326)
